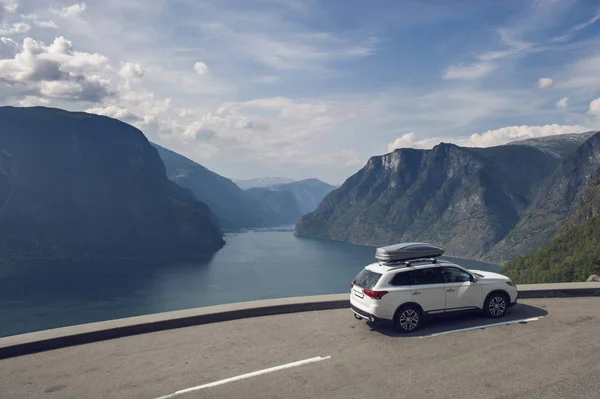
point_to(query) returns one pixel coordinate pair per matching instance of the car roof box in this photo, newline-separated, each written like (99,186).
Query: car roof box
(407,251)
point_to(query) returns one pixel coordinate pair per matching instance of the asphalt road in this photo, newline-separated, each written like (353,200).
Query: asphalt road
(556,356)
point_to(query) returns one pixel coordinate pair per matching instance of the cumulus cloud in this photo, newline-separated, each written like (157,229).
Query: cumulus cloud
(115,112)
(11,5)
(131,70)
(545,83)
(595,108)
(562,103)
(57,71)
(491,137)
(10,29)
(465,72)
(409,140)
(200,68)
(71,11)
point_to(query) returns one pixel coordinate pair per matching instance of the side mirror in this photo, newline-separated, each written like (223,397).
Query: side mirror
(473,279)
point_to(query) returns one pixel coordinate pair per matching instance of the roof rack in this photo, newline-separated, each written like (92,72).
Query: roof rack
(407,254)
(408,262)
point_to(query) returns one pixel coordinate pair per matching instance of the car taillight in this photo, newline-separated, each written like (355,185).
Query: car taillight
(351,285)
(375,294)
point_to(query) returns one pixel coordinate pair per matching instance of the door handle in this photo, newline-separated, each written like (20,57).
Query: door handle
(417,293)
(450,290)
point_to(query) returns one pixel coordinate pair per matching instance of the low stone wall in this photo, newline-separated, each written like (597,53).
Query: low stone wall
(18,345)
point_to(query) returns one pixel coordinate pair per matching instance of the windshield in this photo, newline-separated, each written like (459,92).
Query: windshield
(367,279)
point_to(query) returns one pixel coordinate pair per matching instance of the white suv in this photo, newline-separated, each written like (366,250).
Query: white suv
(402,294)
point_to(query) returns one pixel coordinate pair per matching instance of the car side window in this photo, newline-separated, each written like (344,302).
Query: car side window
(454,275)
(426,276)
(401,279)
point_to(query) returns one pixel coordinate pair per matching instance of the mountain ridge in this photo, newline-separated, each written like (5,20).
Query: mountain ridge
(81,186)
(466,199)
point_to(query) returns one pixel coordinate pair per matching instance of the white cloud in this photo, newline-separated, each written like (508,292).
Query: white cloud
(114,112)
(562,103)
(577,28)
(8,47)
(409,140)
(545,83)
(186,113)
(39,23)
(57,71)
(71,11)
(16,27)
(514,133)
(595,108)
(46,24)
(131,70)
(474,71)
(489,138)
(200,68)
(11,5)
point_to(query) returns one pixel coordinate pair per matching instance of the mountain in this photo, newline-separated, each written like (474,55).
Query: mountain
(468,200)
(307,193)
(236,208)
(275,207)
(554,203)
(261,182)
(559,146)
(574,254)
(81,186)
(233,207)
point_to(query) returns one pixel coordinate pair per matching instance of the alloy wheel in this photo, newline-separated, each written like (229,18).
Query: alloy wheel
(497,306)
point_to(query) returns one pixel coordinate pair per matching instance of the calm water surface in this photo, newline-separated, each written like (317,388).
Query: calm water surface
(256,264)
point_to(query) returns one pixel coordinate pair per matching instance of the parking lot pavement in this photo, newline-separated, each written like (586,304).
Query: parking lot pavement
(549,351)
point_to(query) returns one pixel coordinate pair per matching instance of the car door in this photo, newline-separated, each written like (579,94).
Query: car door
(427,289)
(461,292)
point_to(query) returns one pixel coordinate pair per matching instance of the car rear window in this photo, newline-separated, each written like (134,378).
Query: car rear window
(367,279)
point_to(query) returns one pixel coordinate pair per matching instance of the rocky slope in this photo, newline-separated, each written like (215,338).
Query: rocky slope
(470,200)
(81,186)
(555,201)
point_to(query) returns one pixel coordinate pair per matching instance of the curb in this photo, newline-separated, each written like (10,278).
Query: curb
(40,341)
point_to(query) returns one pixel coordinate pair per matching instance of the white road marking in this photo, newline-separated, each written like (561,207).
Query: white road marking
(248,375)
(483,326)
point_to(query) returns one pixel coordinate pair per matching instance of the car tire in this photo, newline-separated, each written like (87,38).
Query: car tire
(408,319)
(496,305)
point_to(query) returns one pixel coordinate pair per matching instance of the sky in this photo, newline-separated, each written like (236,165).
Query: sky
(307,88)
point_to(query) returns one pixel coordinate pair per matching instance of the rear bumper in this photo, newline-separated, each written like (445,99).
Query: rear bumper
(361,314)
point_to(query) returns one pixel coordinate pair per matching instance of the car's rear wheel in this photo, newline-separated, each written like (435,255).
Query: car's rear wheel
(496,305)
(408,319)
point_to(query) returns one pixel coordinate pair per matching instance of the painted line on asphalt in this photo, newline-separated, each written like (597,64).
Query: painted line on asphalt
(484,326)
(248,375)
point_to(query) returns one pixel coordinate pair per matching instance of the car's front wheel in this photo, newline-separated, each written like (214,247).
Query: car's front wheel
(408,319)
(496,305)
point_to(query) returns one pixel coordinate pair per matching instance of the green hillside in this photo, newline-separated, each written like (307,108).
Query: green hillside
(574,254)
(571,256)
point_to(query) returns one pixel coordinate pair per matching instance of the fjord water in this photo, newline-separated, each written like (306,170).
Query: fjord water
(254,264)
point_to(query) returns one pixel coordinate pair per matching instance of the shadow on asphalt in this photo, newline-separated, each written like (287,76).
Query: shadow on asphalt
(457,321)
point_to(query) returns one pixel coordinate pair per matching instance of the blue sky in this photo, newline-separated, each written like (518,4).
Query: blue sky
(306,88)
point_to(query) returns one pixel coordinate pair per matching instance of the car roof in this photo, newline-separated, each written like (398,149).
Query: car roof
(383,269)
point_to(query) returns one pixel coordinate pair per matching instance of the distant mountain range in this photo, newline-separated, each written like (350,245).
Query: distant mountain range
(273,204)
(484,203)
(81,186)
(261,182)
